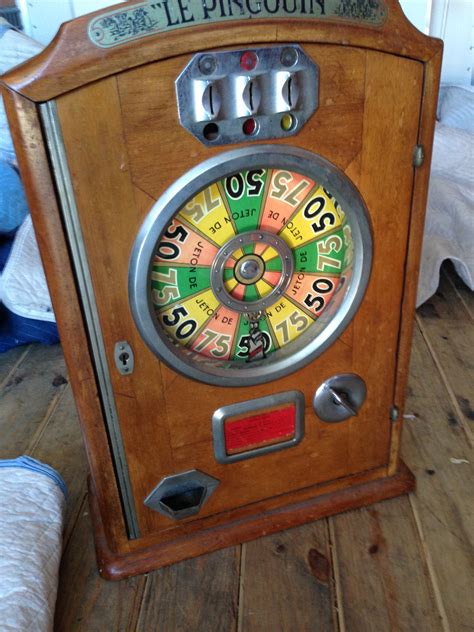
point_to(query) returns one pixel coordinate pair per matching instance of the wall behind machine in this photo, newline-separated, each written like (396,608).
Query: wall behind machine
(42,18)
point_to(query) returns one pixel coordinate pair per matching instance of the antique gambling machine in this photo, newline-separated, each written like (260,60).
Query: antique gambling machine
(229,200)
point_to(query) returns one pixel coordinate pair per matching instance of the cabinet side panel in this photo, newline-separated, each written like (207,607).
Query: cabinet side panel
(35,171)
(432,70)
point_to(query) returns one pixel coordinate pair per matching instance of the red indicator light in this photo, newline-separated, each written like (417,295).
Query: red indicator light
(250,127)
(248,61)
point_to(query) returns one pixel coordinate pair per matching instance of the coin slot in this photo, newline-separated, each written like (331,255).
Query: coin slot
(211,100)
(290,92)
(211,104)
(252,96)
(229,87)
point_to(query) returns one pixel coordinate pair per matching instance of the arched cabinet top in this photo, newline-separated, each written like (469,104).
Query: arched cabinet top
(129,35)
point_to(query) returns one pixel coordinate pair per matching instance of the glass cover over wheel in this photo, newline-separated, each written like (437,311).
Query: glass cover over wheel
(250,265)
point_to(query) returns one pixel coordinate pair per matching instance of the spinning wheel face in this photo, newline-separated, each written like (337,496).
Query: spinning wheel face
(252,274)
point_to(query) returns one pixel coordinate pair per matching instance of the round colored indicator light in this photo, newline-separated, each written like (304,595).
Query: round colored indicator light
(249,60)
(287,122)
(250,127)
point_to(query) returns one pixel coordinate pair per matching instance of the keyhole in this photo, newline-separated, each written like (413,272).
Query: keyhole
(124,360)
(124,357)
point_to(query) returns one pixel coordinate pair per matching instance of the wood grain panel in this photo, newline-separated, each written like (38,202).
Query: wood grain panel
(154,134)
(175,600)
(125,146)
(381,566)
(141,145)
(109,221)
(432,71)
(437,449)
(287,582)
(394,88)
(41,391)
(443,323)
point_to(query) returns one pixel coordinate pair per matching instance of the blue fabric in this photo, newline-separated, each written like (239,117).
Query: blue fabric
(16,330)
(6,243)
(13,205)
(27,463)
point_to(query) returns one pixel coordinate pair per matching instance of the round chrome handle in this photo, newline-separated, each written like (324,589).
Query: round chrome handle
(339,397)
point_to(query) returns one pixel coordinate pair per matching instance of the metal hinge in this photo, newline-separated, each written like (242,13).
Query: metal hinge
(418,155)
(394,414)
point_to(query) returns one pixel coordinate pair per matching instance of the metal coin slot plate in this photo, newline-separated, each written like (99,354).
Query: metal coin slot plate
(181,495)
(219,92)
(339,397)
(252,408)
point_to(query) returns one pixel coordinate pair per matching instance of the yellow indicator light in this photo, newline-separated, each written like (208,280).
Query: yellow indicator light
(287,122)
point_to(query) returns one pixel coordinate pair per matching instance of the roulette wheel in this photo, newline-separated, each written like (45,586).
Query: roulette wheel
(229,201)
(253,274)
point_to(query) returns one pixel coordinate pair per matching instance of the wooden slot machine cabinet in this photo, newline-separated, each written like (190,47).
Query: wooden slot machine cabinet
(229,200)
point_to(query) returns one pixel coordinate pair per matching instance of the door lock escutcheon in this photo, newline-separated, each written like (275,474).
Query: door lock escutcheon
(124,359)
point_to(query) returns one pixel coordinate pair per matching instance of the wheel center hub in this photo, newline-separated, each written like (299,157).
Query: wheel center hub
(252,281)
(249,269)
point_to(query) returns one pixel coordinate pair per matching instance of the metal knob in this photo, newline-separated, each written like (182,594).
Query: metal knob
(339,397)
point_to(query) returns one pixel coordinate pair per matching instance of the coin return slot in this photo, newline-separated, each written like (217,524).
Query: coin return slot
(184,499)
(181,495)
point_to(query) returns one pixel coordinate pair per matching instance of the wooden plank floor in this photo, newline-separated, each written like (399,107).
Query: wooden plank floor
(406,564)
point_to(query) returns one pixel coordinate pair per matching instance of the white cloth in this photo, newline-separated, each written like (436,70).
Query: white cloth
(15,48)
(449,228)
(23,287)
(32,502)
(456,106)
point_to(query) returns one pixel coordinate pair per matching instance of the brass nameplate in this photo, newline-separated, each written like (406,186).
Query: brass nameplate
(147,18)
